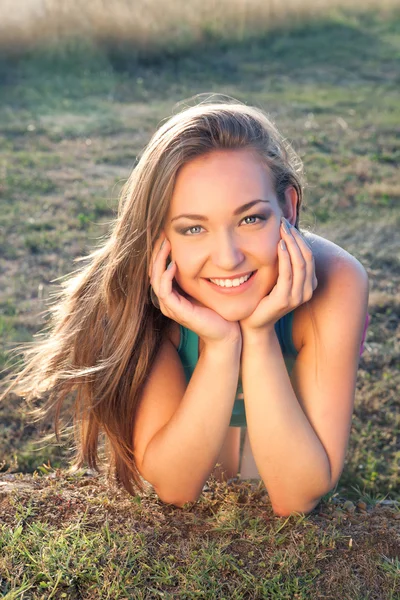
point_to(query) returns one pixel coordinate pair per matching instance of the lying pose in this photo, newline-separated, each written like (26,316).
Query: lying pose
(208,310)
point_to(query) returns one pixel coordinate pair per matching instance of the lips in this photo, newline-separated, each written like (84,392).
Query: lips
(233,290)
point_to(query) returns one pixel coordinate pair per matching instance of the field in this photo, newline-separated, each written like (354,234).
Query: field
(73,119)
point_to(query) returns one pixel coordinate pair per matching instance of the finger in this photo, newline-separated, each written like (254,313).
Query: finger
(169,299)
(310,280)
(284,283)
(165,287)
(299,266)
(172,303)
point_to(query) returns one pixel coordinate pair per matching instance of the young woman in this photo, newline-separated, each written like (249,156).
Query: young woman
(248,322)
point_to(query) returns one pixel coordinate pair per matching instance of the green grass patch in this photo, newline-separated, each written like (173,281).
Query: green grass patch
(229,544)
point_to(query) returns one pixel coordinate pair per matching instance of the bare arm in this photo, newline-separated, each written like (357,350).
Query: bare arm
(180,429)
(299,428)
(180,457)
(289,456)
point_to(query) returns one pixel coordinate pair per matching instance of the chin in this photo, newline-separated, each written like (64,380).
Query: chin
(229,313)
(234,314)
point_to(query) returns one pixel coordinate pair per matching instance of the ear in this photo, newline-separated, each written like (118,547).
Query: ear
(290,209)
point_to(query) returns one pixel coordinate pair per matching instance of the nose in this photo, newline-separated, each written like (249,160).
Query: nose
(227,254)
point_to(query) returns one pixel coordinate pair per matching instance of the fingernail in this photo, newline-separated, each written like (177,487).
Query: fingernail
(283,245)
(171,264)
(288,223)
(285,225)
(163,244)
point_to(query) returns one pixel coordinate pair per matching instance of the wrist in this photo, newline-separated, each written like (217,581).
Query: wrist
(260,336)
(233,345)
(225,355)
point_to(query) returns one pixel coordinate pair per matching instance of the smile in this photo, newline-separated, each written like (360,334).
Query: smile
(232,286)
(232,282)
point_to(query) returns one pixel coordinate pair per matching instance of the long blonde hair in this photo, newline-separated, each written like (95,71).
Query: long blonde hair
(104,332)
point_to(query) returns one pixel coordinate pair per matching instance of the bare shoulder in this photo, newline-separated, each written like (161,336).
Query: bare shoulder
(331,260)
(342,287)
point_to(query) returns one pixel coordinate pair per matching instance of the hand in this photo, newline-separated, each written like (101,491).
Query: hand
(205,322)
(295,285)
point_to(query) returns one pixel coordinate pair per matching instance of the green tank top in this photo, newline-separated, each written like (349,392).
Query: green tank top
(188,353)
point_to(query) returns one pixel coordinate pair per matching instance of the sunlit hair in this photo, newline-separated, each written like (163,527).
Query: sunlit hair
(103,331)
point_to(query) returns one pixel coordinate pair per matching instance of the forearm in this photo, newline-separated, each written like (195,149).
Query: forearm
(289,456)
(180,458)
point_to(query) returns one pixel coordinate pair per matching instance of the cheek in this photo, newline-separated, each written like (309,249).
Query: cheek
(268,251)
(271,266)
(189,258)
(185,272)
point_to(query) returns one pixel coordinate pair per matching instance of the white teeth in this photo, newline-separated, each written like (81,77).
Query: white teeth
(231,282)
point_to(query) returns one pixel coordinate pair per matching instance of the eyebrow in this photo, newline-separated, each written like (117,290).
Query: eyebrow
(238,211)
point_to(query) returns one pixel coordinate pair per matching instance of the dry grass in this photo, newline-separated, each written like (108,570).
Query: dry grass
(74,537)
(137,23)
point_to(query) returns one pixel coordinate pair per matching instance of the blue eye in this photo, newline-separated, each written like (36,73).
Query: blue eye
(187,229)
(184,231)
(254,217)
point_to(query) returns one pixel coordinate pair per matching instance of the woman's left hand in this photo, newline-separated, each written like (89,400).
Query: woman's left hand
(295,285)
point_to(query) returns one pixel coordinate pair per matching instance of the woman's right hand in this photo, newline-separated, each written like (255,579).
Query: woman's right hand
(205,322)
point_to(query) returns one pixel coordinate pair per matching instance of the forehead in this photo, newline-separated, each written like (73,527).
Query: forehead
(231,177)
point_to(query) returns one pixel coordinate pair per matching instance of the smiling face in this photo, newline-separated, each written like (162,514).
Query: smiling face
(230,240)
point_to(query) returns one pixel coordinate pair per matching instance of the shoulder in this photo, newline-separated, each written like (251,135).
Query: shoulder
(335,266)
(342,292)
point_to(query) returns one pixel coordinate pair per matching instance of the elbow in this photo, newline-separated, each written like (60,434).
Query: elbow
(178,503)
(168,496)
(300,505)
(287,511)
(175,500)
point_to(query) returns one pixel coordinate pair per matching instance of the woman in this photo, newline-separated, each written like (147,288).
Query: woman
(246,299)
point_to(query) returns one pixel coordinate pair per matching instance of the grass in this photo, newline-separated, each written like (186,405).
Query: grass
(130,28)
(71,127)
(75,536)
